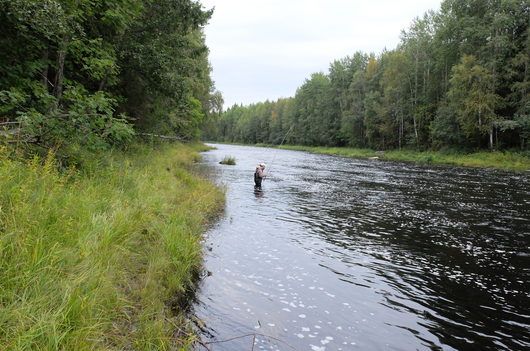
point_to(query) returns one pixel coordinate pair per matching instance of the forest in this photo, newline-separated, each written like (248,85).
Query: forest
(90,74)
(458,80)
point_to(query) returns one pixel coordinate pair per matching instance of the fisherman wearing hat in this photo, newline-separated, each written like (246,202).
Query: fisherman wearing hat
(259,175)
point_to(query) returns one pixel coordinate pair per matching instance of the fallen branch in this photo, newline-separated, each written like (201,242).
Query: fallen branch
(8,123)
(160,136)
(187,334)
(253,340)
(206,343)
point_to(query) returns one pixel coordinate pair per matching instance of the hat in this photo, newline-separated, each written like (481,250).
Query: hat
(262,165)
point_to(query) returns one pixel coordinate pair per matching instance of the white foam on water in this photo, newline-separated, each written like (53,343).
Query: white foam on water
(301,315)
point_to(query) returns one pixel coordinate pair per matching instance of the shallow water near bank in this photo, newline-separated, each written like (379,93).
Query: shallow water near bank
(347,254)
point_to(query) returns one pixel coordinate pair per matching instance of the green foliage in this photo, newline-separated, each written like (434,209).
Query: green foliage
(89,123)
(165,70)
(472,97)
(84,74)
(445,129)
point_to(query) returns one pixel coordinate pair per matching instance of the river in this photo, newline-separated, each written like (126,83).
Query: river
(348,254)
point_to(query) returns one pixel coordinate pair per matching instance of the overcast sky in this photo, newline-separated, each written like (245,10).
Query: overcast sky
(265,49)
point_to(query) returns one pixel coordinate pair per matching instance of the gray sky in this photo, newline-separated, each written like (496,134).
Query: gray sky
(265,49)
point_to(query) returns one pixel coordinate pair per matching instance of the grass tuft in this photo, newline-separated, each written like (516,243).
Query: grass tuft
(228,160)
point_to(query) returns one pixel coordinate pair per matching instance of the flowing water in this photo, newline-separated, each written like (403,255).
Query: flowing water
(347,254)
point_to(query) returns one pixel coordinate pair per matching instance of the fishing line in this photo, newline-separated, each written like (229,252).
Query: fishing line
(275,152)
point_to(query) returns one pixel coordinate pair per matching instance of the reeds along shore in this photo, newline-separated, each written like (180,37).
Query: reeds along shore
(101,258)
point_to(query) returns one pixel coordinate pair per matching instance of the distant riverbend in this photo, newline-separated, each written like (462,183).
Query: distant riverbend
(356,254)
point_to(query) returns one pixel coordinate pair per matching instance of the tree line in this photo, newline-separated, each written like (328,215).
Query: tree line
(89,74)
(459,78)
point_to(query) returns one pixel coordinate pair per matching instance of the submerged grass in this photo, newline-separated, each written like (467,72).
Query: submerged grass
(100,259)
(513,161)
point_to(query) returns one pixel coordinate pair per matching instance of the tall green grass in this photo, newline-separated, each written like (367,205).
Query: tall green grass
(100,259)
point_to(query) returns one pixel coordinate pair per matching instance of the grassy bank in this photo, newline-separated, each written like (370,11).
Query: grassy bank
(100,259)
(512,161)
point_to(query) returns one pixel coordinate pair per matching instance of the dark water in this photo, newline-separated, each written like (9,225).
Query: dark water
(346,254)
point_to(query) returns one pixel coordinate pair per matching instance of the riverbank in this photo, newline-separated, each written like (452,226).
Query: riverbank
(512,161)
(102,258)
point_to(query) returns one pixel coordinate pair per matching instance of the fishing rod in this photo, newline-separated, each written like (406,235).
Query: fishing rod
(274,156)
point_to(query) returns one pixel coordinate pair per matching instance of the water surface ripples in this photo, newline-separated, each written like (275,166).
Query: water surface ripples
(346,254)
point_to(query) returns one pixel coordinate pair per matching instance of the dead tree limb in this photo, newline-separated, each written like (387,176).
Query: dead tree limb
(160,136)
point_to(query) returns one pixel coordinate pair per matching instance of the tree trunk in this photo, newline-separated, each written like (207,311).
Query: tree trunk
(497,138)
(44,72)
(480,118)
(102,83)
(491,137)
(445,78)
(59,74)
(399,136)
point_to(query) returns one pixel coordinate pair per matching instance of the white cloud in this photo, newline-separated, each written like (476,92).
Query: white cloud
(265,49)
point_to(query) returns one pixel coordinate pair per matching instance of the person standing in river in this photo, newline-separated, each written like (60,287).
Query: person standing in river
(259,175)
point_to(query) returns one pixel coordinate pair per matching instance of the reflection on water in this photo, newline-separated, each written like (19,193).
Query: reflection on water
(345,254)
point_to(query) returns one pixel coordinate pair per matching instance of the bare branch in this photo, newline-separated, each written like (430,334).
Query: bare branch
(8,123)
(160,136)
(254,336)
